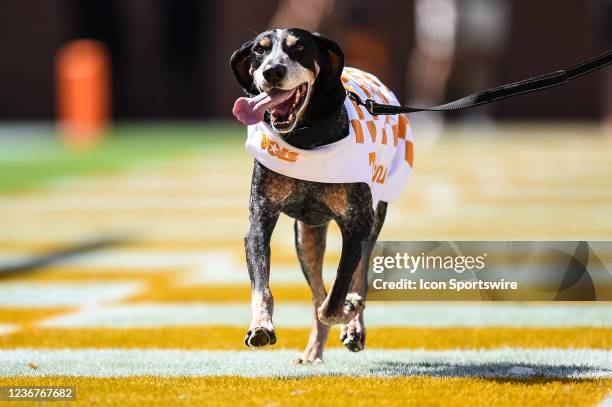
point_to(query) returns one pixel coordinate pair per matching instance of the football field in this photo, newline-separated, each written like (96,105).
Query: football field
(122,273)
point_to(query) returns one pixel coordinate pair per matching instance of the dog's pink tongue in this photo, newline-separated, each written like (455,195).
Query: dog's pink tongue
(251,110)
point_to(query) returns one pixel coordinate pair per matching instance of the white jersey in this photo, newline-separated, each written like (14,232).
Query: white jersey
(378,150)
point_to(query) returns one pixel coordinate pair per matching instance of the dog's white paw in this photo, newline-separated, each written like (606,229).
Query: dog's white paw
(307,361)
(354,303)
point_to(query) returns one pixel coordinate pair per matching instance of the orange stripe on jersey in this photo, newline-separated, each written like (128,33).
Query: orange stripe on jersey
(366,91)
(357,109)
(358,131)
(372,130)
(409,153)
(382,96)
(395,134)
(403,126)
(384,135)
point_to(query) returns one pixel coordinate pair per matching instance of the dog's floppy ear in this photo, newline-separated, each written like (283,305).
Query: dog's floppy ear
(240,64)
(330,54)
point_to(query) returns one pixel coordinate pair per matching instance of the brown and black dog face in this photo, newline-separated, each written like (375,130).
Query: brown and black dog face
(289,59)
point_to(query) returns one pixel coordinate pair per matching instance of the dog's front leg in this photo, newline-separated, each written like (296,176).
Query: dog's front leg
(338,307)
(257,245)
(264,210)
(353,334)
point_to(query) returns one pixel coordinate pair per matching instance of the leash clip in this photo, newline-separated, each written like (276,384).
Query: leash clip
(354,97)
(369,104)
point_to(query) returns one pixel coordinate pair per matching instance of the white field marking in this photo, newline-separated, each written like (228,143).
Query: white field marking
(442,196)
(203,267)
(607,402)
(136,259)
(64,201)
(5,329)
(538,215)
(495,190)
(194,182)
(238,275)
(211,262)
(64,294)
(179,231)
(294,314)
(122,223)
(56,237)
(167,230)
(565,363)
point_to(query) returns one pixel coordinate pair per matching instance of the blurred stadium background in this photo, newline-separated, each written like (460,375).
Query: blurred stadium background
(124,189)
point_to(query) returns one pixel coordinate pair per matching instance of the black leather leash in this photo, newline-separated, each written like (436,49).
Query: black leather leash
(530,85)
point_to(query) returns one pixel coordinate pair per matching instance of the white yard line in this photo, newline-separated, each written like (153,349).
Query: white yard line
(64,294)
(190,181)
(606,402)
(376,314)
(5,329)
(150,231)
(214,262)
(507,362)
(210,267)
(50,202)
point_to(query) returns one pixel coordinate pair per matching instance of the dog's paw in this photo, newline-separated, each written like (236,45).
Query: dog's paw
(353,335)
(307,361)
(353,305)
(258,337)
(354,343)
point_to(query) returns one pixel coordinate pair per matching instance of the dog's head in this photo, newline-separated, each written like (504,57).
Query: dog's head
(288,73)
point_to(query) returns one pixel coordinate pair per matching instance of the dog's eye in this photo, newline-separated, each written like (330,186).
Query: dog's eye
(298,47)
(259,49)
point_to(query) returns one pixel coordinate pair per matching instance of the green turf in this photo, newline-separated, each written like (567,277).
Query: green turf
(35,158)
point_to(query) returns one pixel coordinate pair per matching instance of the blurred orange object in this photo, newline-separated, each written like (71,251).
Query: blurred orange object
(83,91)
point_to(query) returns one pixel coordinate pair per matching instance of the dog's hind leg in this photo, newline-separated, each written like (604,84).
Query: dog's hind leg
(310,247)
(353,334)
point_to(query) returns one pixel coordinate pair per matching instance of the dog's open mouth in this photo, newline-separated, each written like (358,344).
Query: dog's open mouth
(284,107)
(284,115)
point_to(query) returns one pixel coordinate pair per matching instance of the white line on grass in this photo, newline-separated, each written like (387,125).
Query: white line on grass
(289,314)
(212,262)
(64,294)
(53,202)
(506,362)
(5,329)
(207,267)
(606,402)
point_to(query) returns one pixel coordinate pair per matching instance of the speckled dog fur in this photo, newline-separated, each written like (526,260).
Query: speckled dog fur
(312,204)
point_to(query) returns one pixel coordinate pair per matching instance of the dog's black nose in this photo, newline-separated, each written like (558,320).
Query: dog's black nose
(274,73)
